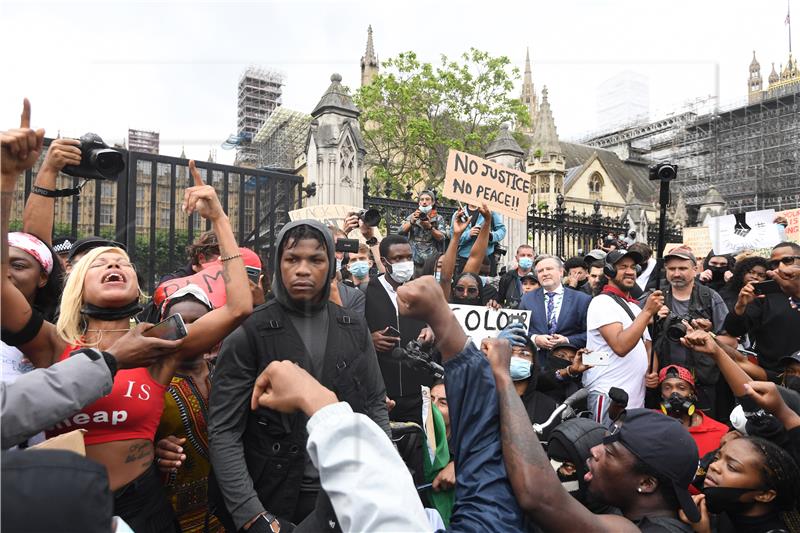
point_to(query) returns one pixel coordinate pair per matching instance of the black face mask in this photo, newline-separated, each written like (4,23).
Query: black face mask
(726,500)
(677,406)
(116,313)
(465,301)
(718,272)
(554,363)
(583,282)
(792,382)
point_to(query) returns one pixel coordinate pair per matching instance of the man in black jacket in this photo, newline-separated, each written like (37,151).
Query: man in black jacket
(402,381)
(510,291)
(259,457)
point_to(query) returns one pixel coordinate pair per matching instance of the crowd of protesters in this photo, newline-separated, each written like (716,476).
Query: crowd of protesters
(336,391)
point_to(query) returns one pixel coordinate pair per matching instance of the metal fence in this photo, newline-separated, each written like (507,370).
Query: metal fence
(142,208)
(557,231)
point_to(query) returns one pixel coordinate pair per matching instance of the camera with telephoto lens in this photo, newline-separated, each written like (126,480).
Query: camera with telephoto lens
(98,160)
(663,172)
(416,355)
(370,217)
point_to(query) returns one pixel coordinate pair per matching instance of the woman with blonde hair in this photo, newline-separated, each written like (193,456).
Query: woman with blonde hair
(100,299)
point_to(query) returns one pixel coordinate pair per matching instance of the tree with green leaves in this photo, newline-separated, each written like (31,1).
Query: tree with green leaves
(413,113)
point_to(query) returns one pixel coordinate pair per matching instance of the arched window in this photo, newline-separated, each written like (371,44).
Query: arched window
(544,184)
(596,184)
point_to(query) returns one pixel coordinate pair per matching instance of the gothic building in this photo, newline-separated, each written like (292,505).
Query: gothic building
(369,61)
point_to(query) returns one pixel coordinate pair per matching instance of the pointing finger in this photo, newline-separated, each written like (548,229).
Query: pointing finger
(25,118)
(198,179)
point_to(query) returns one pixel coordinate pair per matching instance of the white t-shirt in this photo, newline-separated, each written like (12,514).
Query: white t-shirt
(627,372)
(13,364)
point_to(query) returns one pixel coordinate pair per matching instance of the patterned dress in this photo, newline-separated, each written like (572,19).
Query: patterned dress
(186,416)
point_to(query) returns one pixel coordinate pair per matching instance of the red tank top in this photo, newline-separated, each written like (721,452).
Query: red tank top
(132,410)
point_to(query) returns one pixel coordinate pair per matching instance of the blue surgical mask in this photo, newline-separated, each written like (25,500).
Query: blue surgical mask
(426,209)
(525,263)
(520,369)
(359,269)
(437,276)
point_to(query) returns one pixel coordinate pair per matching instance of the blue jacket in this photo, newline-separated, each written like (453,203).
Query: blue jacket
(498,233)
(571,320)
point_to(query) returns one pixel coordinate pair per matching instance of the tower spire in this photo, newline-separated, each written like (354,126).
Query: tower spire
(369,62)
(545,137)
(528,95)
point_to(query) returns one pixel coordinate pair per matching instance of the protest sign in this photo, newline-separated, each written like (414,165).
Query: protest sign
(330,215)
(484,322)
(473,180)
(731,234)
(698,239)
(792,232)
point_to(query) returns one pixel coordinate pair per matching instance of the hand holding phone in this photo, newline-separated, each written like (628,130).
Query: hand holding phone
(767,287)
(596,359)
(171,329)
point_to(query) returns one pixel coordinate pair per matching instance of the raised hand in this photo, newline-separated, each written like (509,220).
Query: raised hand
(201,197)
(21,146)
(62,152)
(459,226)
(699,340)
(498,352)
(285,387)
(515,333)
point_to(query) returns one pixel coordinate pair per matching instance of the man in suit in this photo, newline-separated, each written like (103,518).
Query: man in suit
(558,316)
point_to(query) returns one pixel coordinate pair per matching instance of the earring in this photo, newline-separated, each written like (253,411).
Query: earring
(639,490)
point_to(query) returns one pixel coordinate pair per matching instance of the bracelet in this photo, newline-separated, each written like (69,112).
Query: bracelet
(234,256)
(569,373)
(713,335)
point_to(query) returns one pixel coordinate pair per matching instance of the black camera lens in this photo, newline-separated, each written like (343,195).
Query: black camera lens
(675,332)
(666,172)
(109,162)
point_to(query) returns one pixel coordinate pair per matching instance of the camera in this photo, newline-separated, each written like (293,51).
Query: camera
(663,172)
(370,217)
(423,216)
(415,355)
(98,161)
(674,326)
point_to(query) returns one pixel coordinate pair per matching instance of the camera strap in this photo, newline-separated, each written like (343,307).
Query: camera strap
(58,193)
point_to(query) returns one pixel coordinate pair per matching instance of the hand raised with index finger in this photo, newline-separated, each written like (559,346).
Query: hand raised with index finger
(21,146)
(201,198)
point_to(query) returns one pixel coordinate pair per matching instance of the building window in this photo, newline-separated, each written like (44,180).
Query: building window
(106,215)
(596,184)
(107,189)
(544,184)
(140,216)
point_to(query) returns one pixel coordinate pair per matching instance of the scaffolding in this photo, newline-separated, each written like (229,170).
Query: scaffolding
(282,139)
(259,95)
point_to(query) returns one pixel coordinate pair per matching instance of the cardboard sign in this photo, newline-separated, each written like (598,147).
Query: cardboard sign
(330,215)
(484,323)
(699,240)
(792,232)
(473,180)
(71,442)
(732,234)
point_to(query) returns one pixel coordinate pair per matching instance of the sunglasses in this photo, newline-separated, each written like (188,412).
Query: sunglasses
(468,290)
(789,260)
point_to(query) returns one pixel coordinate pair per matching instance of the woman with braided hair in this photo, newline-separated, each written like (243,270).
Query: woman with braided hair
(752,486)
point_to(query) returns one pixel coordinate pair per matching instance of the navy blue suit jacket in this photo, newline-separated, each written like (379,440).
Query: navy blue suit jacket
(571,320)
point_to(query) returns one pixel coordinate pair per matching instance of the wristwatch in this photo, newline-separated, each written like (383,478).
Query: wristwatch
(264,523)
(94,354)
(372,241)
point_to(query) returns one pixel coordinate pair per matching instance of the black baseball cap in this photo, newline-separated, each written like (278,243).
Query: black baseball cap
(88,243)
(530,275)
(785,360)
(665,446)
(618,255)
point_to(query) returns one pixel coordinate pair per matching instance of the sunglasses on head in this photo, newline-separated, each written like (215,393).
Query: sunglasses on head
(789,260)
(468,290)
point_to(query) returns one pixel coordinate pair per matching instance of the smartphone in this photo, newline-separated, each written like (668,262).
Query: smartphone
(171,329)
(596,359)
(463,218)
(253,273)
(766,287)
(391,332)
(347,245)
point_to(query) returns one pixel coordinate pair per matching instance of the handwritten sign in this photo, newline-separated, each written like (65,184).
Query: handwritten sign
(753,230)
(473,180)
(330,215)
(792,232)
(483,322)
(698,239)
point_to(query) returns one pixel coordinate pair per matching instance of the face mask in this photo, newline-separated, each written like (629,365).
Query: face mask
(726,499)
(676,406)
(520,369)
(792,382)
(437,276)
(554,363)
(359,269)
(525,263)
(718,273)
(338,265)
(402,271)
(426,209)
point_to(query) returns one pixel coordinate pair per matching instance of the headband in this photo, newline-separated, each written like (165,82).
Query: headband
(33,246)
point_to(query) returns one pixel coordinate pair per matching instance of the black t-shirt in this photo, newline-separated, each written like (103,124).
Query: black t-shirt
(662,524)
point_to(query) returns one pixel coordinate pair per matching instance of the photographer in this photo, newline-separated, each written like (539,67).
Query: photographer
(475,220)
(687,300)
(772,321)
(424,228)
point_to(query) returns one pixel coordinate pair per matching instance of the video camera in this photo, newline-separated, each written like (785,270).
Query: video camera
(415,355)
(663,172)
(98,160)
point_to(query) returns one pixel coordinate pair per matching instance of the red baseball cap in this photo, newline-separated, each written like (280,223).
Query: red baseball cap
(675,371)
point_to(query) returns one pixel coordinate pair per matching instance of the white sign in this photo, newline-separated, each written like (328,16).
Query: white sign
(484,322)
(753,231)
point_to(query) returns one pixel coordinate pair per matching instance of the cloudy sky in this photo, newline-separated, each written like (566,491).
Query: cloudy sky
(173,66)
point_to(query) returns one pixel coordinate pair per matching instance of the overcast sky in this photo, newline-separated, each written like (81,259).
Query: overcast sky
(173,67)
